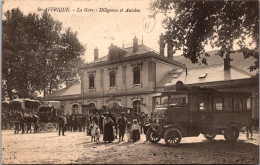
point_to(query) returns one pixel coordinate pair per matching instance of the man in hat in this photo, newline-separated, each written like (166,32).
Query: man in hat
(122,123)
(101,118)
(115,124)
(62,121)
(108,129)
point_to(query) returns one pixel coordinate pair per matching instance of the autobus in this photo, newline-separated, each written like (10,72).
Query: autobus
(26,106)
(191,111)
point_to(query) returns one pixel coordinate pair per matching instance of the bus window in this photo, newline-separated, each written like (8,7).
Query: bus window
(218,104)
(194,101)
(228,104)
(165,100)
(161,101)
(204,103)
(178,99)
(237,104)
(246,104)
(158,100)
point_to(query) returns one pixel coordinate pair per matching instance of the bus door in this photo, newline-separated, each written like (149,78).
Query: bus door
(201,112)
(178,111)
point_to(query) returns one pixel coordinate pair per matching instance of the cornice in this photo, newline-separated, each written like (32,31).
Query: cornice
(132,58)
(74,97)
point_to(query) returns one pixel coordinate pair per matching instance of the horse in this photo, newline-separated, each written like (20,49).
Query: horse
(20,120)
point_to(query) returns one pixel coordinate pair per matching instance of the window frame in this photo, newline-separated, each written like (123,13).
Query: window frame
(237,99)
(215,107)
(135,79)
(110,80)
(205,100)
(91,76)
(75,110)
(231,104)
(137,107)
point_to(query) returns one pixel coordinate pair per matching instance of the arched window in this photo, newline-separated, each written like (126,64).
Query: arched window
(137,75)
(112,76)
(75,109)
(91,81)
(137,106)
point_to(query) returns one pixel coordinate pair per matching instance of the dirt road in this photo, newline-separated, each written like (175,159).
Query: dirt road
(76,147)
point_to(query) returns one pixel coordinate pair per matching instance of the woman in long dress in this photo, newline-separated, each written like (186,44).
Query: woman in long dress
(108,129)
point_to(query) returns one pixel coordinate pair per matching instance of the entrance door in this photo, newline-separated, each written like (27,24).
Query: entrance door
(201,113)
(178,111)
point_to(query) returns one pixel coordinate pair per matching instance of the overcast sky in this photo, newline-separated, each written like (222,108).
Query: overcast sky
(99,29)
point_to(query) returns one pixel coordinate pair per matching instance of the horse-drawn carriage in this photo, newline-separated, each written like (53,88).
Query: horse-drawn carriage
(22,111)
(48,114)
(117,110)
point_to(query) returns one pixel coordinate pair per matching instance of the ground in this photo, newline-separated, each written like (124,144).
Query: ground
(76,147)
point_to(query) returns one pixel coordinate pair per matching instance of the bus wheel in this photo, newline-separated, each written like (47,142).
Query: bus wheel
(153,136)
(209,136)
(231,134)
(172,137)
(49,127)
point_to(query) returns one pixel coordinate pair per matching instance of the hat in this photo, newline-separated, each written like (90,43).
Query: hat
(135,120)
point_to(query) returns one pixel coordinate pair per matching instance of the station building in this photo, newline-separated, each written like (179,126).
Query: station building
(129,77)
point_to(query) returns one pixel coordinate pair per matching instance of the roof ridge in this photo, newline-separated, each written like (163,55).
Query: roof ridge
(60,90)
(236,68)
(205,66)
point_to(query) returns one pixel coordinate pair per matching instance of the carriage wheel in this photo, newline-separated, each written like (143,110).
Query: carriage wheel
(231,134)
(49,127)
(153,136)
(209,136)
(172,137)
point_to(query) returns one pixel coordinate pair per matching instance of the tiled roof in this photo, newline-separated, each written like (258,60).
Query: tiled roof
(238,61)
(72,90)
(213,72)
(207,74)
(142,49)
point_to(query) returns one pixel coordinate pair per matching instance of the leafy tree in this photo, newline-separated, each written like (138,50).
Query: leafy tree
(37,56)
(192,25)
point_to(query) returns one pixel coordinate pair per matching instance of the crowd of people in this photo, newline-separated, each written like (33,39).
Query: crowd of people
(106,124)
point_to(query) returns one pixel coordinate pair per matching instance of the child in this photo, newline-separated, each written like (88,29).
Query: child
(97,134)
(93,128)
(129,131)
(136,131)
(114,132)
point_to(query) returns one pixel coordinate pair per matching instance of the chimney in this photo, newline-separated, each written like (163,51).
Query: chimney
(69,83)
(227,63)
(135,44)
(169,49)
(162,44)
(96,53)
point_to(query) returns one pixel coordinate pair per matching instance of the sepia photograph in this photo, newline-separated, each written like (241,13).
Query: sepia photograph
(130,82)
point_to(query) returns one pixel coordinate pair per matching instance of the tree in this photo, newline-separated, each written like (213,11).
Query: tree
(192,25)
(37,56)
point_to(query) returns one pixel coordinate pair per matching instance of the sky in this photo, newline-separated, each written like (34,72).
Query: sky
(100,29)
